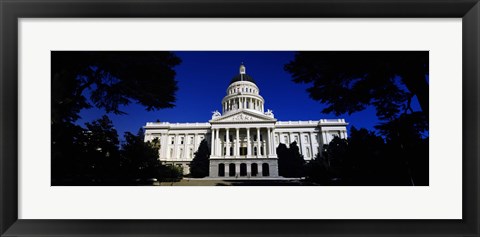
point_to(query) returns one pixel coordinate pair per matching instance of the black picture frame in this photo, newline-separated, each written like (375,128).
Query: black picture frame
(11,11)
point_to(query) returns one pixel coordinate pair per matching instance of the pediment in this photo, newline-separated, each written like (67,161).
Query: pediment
(243,116)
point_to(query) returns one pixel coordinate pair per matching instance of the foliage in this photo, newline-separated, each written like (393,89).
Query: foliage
(290,161)
(106,80)
(199,167)
(350,81)
(366,159)
(113,79)
(141,157)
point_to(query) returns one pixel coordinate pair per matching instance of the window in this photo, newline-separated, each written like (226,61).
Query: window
(306,138)
(308,152)
(182,140)
(191,140)
(171,152)
(173,140)
(243,151)
(296,138)
(181,153)
(191,153)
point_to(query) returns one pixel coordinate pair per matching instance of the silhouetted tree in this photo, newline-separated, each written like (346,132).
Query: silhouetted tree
(336,156)
(283,155)
(113,78)
(406,143)
(101,155)
(290,161)
(199,167)
(297,161)
(141,157)
(364,161)
(109,80)
(317,170)
(350,81)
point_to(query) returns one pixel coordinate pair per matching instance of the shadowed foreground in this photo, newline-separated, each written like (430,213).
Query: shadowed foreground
(219,182)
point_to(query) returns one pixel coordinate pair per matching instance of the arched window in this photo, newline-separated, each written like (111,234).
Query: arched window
(231,170)
(308,151)
(243,169)
(254,169)
(265,169)
(171,152)
(221,170)
(181,153)
(254,151)
(306,138)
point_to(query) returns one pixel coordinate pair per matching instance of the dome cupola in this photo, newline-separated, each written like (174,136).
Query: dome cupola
(242,93)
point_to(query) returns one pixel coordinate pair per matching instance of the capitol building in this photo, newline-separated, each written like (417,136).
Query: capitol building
(243,137)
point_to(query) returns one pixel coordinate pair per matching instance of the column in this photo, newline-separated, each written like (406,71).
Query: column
(249,170)
(237,143)
(185,140)
(312,147)
(301,143)
(237,170)
(290,139)
(217,143)
(212,143)
(164,146)
(258,142)
(274,143)
(269,143)
(227,143)
(260,170)
(324,135)
(195,142)
(175,147)
(249,148)
(227,169)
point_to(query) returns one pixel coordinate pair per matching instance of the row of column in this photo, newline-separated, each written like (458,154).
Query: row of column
(300,143)
(166,141)
(242,103)
(217,147)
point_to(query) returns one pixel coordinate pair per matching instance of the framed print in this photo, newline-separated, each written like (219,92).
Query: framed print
(233,139)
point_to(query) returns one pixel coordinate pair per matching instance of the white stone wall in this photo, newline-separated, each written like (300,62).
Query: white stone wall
(186,137)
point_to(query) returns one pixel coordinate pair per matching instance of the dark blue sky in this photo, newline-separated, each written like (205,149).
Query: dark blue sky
(203,78)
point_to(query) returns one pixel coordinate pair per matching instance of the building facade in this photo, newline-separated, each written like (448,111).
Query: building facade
(243,138)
